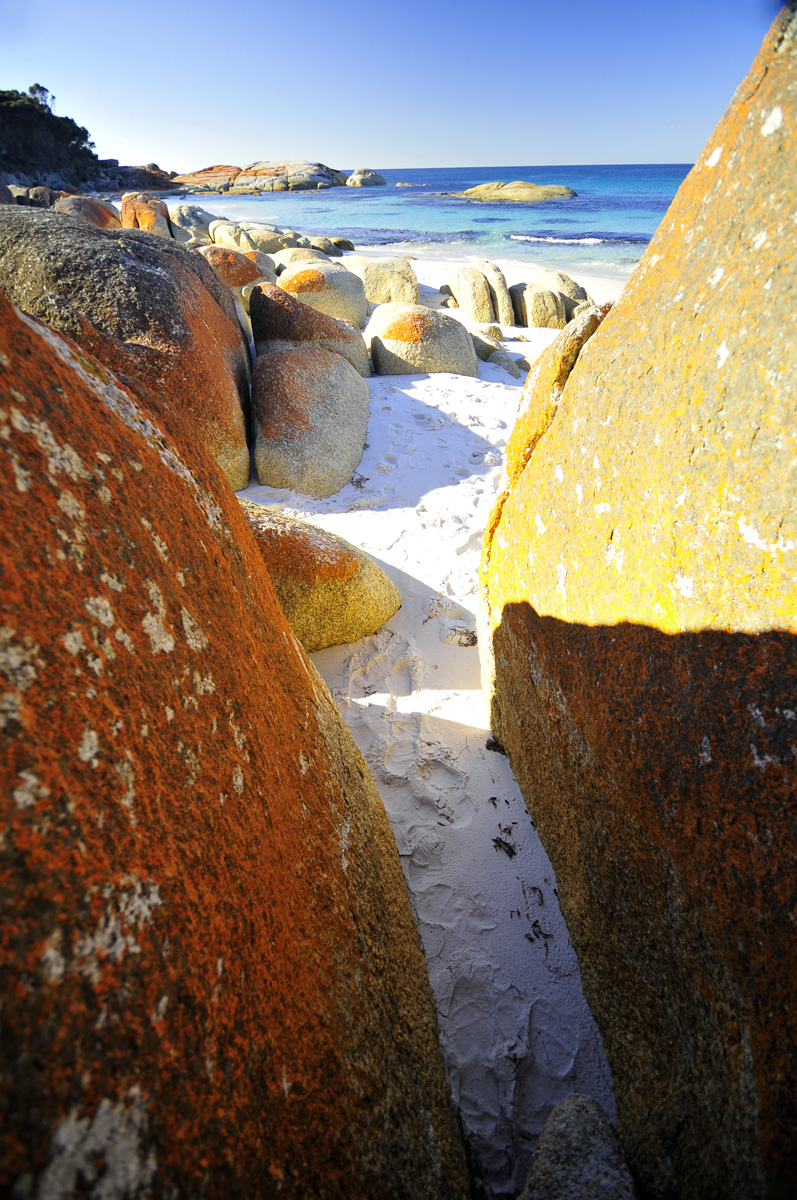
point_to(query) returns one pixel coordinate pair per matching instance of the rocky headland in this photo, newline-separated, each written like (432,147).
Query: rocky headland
(214,982)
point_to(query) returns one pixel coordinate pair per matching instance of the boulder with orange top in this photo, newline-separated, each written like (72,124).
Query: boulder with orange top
(410,339)
(212,982)
(143,306)
(235,268)
(90,208)
(329,288)
(638,578)
(310,415)
(142,211)
(280,321)
(330,591)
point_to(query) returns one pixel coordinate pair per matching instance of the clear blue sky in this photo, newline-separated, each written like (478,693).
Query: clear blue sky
(387,83)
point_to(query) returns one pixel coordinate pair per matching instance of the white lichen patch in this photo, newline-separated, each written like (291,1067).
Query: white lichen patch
(716,276)
(722,355)
(73,641)
(685,586)
(124,770)
(772,122)
(100,1156)
(153,622)
(100,609)
(714,157)
(126,913)
(238,780)
(60,459)
(89,748)
(29,791)
(194,636)
(19,660)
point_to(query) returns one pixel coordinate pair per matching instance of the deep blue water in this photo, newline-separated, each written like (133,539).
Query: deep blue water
(605,228)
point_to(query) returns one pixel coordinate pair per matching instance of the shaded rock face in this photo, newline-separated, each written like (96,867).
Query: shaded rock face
(98,212)
(472,292)
(279,320)
(578,1156)
(145,307)
(212,981)
(330,591)
(409,339)
(310,410)
(639,580)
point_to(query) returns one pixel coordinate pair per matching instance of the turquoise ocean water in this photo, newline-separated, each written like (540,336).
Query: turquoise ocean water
(605,229)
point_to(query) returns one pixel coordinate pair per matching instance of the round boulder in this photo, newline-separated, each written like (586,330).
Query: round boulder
(386,280)
(280,321)
(329,288)
(100,212)
(310,410)
(408,339)
(230,265)
(330,591)
(365,177)
(538,307)
(142,211)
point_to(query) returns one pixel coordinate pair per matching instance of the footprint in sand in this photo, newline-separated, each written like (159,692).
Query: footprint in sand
(456,625)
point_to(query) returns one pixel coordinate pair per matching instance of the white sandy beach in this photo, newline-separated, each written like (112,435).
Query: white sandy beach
(516,1030)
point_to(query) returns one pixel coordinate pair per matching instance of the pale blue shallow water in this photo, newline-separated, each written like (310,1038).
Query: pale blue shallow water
(605,229)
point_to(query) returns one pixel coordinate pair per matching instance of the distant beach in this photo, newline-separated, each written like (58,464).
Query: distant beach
(602,231)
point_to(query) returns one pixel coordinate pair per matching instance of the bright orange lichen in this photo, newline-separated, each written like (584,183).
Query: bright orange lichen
(639,576)
(409,327)
(308,280)
(208,953)
(230,265)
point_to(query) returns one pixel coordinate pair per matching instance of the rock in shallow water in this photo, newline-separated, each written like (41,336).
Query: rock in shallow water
(213,982)
(639,580)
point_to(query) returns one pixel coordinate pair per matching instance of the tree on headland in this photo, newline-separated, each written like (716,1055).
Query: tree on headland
(42,96)
(34,141)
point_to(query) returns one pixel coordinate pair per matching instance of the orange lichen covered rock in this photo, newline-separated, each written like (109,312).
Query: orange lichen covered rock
(234,268)
(142,211)
(409,339)
(98,212)
(330,591)
(639,576)
(216,178)
(280,320)
(147,308)
(212,983)
(329,288)
(310,410)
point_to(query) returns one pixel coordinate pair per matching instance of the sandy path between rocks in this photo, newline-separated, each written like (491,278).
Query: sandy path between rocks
(516,1030)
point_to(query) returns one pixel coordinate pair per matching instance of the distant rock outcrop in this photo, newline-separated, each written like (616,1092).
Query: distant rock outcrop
(519,191)
(639,591)
(295,175)
(330,591)
(365,177)
(145,307)
(212,981)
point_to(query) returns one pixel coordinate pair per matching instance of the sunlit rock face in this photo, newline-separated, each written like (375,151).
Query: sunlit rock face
(639,579)
(212,982)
